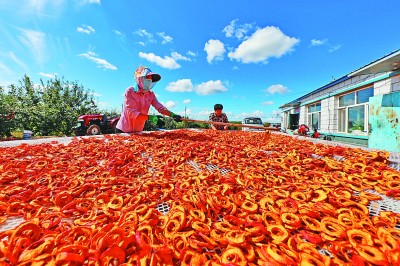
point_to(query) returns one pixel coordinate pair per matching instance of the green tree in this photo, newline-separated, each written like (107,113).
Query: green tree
(7,113)
(149,126)
(111,113)
(63,102)
(49,108)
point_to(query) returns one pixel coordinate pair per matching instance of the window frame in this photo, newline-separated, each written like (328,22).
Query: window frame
(312,109)
(343,126)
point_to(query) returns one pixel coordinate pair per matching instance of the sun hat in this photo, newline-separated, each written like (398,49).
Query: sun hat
(143,71)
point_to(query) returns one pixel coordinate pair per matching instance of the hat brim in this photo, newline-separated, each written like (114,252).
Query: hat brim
(154,77)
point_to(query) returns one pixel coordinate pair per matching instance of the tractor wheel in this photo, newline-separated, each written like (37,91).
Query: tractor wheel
(93,130)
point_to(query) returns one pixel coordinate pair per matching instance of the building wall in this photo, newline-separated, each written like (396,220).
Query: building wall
(329,114)
(303,115)
(329,106)
(343,85)
(285,118)
(382,87)
(370,111)
(382,83)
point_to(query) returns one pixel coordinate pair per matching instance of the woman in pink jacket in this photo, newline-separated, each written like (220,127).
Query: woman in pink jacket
(137,103)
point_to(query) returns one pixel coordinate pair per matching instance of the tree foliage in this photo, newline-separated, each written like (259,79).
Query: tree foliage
(48,108)
(7,107)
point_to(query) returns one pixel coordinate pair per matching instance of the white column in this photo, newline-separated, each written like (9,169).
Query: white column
(329,115)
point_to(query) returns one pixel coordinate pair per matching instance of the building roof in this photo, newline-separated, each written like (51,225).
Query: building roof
(389,62)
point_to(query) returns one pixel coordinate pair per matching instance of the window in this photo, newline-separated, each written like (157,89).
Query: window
(353,111)
(314,115)
(347,100)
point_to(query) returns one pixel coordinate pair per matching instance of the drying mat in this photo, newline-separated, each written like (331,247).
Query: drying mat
(56,140)
(13,143)
(394,161)
(11,223)
(375,207)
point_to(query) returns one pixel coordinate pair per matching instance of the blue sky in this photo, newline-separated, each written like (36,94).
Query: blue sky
(250,56)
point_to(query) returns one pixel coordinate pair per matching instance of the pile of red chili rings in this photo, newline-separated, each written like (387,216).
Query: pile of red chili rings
(279,201)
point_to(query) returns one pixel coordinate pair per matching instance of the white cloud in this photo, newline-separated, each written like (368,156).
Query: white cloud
(334,48)
(263,44)
(118,32)
(5,70)
(87,2)
(275,117)
(182,85)
(215,50)
(35,41)
(204,113)
(238,32)
(93,1)
(186,101)
(256,113)
(205,88)
(276,112)
(18,61)
(170,104)
(145,34)
(48,75)
(268,103)
(191,53)
(166,62)
(273,120)
(210,87)
(178,56)
(229,30)
(40,7)
(101,63)
(102,104)
(86,29)
(5,83)
(142,43)
(277,88)
(315,42)
(165,38)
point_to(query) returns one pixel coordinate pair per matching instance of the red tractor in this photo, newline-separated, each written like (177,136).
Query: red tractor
(95,124)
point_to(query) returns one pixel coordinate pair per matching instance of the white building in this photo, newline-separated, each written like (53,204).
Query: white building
(362,107)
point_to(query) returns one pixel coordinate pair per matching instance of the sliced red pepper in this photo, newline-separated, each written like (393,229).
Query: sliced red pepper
(289,205)
(114,252)
(63,198)
(393,192)
(357,260)
(44,245)
(311,237)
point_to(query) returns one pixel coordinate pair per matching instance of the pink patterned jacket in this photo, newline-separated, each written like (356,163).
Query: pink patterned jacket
(135,103)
